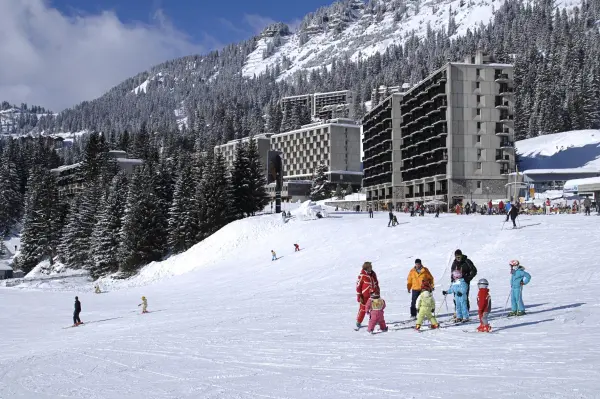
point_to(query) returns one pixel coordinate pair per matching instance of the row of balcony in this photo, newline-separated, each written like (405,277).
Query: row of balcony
(433,120)
(425,93)
(372,121)
(378,149)
(379,159)
(501,78)
(428,133)
(423,148)
(378,170)
(376,180)
(424,172)
(435,156)
(374,141)
(410,194)
(423,111)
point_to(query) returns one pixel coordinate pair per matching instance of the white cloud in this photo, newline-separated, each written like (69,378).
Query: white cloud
(258,22)
(49,59)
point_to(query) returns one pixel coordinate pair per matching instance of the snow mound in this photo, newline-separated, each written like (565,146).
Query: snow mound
(574,149)
(309,210)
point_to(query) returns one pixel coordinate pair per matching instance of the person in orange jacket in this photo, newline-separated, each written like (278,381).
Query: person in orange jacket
(366,284)
(414,282)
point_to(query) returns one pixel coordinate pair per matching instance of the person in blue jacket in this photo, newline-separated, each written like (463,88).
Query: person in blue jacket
(460,290)
(518,278)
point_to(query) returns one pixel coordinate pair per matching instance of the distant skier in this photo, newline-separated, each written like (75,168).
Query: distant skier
(371,212)
(460,290)
(97,289)
(366,284)
(390,223)
(76,320)
(437,211)
(467,270)
(426,307)
(484,303)
(273,255)
(417,275)
(587,205)
(296,248)
(394,221)
(374,308)
(518,278)
(512,214)
(144,305)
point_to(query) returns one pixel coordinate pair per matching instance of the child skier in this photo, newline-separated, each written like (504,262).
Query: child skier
(374,308)
(518,278)
(273,255)
(296,247)
(459,289)
(426,307)
(484,302)
(97,290)
(144,305)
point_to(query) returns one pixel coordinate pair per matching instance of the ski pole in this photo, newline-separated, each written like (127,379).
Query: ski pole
(506,304)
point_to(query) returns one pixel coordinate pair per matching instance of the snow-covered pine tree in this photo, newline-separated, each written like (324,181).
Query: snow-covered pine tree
(163,185)
(339,191)
(184,220)
(106,239)
(11,200)
(40,234)
(138,241)
(349,189)
(240,176)
(215,201)
(321,187)
(257,192)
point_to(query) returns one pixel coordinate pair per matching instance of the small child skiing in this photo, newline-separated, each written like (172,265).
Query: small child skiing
(426,306)
(97,289)
(296,248)
(395,221)
(518,278)
(484,303)
(459,289)
(273,255)
(374,308)
(144,305)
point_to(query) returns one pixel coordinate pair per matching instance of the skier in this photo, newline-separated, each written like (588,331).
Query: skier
(366,284)
(512,214)
(587,205)
(97,289)
(371,212)
(76,320)
(144,305)
(296,248)
(467,270)
(273,255)
(484,303)
(518,278)
(417,275)
(390,223)
(374,308)
(437,211)
(426,306)
(460,290)
(395,221)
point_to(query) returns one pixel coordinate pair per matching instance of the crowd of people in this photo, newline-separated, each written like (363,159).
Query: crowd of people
(420,284)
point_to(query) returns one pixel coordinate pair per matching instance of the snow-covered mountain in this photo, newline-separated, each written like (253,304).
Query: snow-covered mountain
(356,30)
(15,119)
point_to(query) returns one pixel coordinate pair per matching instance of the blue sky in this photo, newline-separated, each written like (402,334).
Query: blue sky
(224,21)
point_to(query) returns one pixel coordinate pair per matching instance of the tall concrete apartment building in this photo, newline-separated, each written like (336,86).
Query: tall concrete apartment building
(228,150)
(450,137)
(324,106)
(334,142)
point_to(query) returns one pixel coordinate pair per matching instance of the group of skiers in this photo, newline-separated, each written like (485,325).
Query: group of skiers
(420,283)
(77,321)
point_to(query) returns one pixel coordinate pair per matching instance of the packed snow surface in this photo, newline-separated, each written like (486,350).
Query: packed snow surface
(227,322)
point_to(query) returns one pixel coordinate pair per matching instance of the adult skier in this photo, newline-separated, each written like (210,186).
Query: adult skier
(518,278)
(366,284)
(587,205)
(417,275)
(391,222)
(371,212)
(512,214)
(76,320)
(467,270)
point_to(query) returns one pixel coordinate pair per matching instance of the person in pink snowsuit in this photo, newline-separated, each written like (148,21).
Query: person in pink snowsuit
(374,308)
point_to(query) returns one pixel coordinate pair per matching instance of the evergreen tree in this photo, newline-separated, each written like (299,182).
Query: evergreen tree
(39,237)
(339,192)
(321,187)
(349,189)
(257,191)
(240,176)
(11,200)
(184,220)
(215,201)
(105,244)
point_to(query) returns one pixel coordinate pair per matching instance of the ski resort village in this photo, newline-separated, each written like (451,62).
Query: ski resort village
(381,199)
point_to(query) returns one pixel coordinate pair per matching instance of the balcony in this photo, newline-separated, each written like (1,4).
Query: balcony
(501,78)
(503,104)
(503,132)
(503,158)
(505,117)
(507,144)
(506,91)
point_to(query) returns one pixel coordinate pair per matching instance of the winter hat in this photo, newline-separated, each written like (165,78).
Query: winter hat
(143,298)
(457,252)
(76,297)
(456,274)
(417,261)
(374,295)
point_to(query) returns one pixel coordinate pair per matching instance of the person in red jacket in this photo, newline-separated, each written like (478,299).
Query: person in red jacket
(365,285)
(484,302)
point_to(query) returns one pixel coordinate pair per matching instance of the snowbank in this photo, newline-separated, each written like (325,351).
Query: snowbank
(309,210)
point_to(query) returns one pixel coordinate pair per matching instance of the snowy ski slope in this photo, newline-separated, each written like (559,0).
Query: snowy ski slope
(230,323)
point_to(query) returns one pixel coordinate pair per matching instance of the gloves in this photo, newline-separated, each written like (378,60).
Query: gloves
(358,298)
(459,294)
(409,289)
(522,283)
(445,293)
(433,311)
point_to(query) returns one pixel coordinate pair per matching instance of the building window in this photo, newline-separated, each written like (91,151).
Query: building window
(478,153)
(477,85)
(479,185)
(478,125)
(478,167)
(478,99)
(479,138)
(478,112)
(478,72)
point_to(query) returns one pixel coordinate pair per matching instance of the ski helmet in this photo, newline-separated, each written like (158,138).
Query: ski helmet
(143,298)
(374,295)
(456,274)
(514,263)
(483,283)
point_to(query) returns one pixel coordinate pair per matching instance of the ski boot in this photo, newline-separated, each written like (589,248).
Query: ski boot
(434,326)
(418,327)
(384,329)
(358,325)
(488,328)
(481,328)
(458,320)
(465,320)
(510,314)
(520,313)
